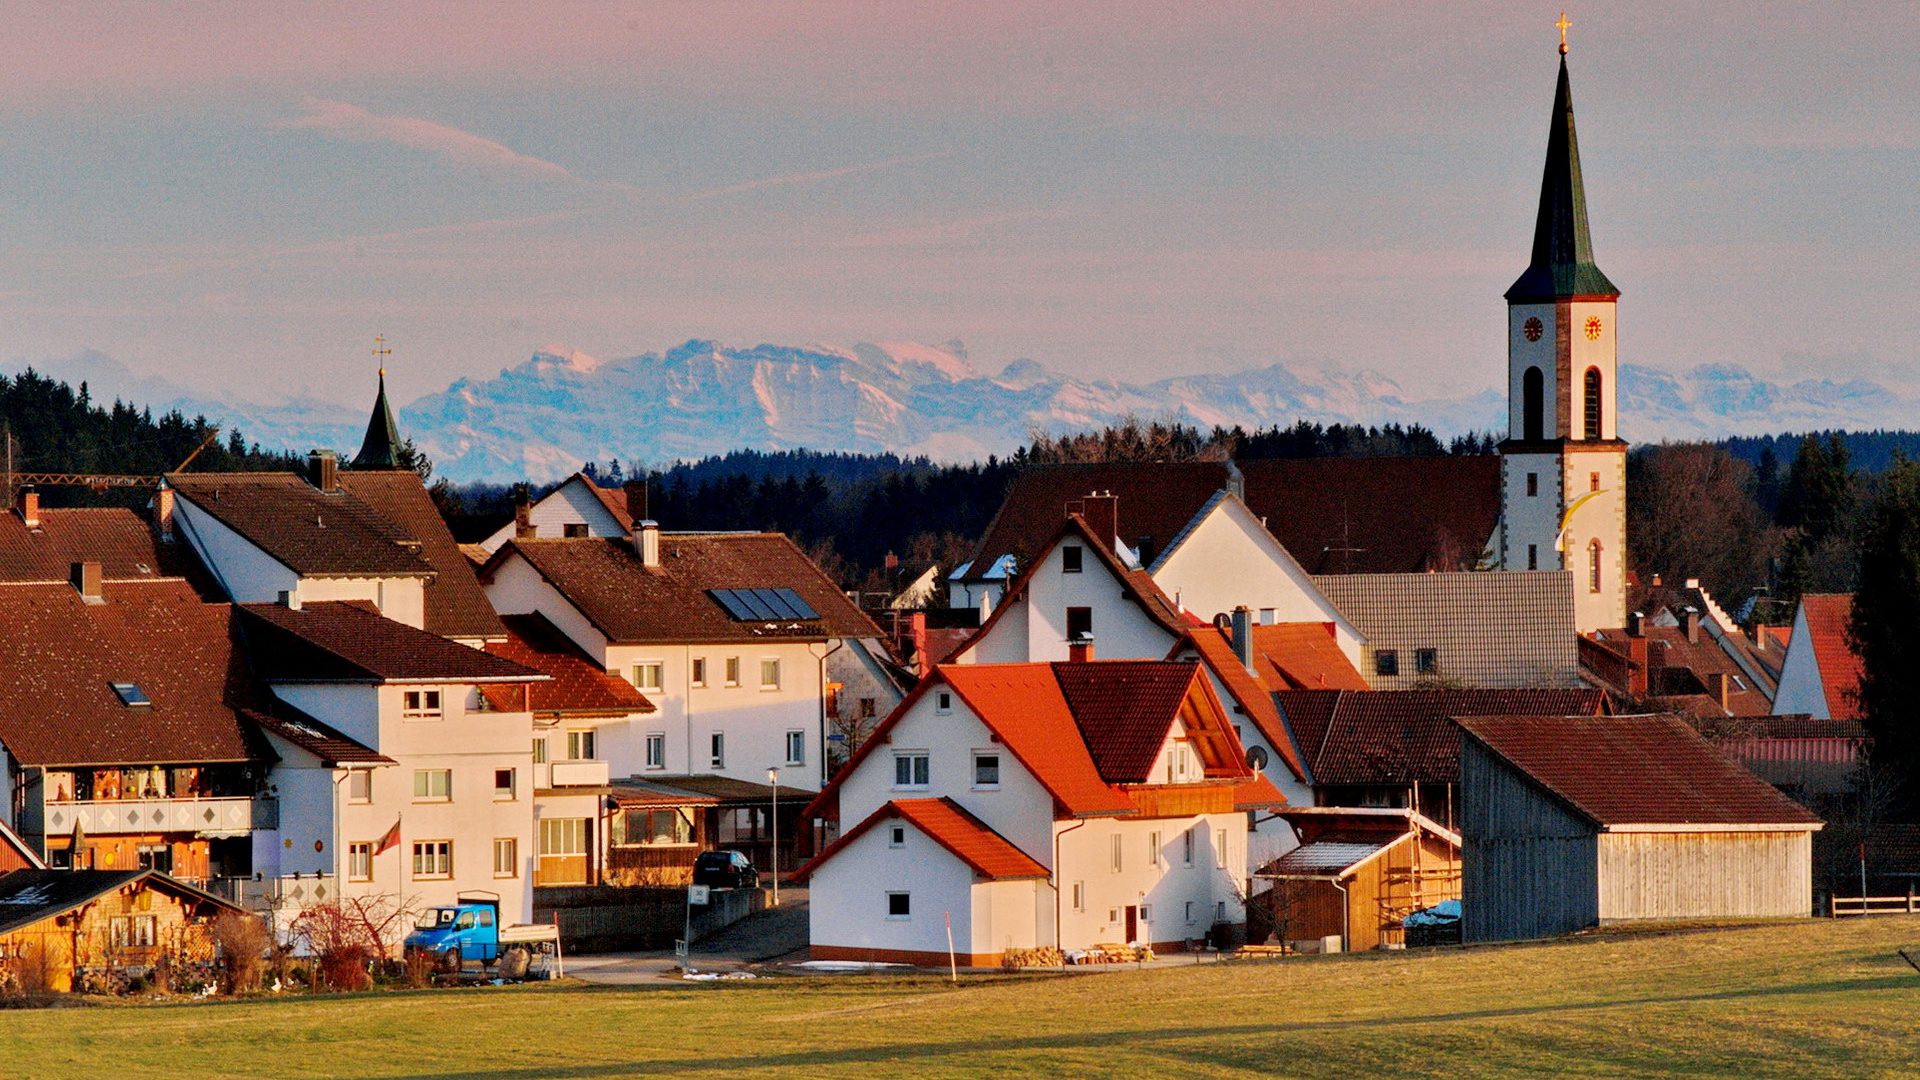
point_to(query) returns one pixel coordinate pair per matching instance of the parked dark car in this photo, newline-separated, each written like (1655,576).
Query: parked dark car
(725,870)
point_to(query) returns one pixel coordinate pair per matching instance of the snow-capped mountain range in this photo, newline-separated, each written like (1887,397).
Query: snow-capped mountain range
(542,418)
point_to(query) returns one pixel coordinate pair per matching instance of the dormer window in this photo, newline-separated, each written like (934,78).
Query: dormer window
(131,695)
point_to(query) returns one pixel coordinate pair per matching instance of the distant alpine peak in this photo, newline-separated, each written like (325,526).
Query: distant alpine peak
(549,357)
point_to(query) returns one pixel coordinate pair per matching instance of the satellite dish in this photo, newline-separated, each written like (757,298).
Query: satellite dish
(1257,758)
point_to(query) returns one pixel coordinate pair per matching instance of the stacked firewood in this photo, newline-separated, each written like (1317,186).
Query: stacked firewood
(1045,956)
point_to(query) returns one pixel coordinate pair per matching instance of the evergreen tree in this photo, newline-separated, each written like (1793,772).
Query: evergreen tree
(1885,628)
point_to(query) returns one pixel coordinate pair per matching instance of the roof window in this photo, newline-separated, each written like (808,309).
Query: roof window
(131,695)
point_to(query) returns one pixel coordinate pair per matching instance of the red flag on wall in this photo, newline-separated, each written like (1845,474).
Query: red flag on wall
(391,839)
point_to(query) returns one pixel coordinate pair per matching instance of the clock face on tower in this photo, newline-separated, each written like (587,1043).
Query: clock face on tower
(1532,329)
(1593,328)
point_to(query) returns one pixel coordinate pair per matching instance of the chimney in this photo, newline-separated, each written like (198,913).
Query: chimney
(1693,583)
(1143,545)
(1638,681)
(919,624)
(85,577)
(1243,636)
(1690,624)
(323,470)
(163,513)
(290,599)
(1634,627)
(1720,688)
(1076,507)
(1103,517)
(30,508)
(1656,581)
(1268,617)
(637,506)
(1080,649)
(646,541)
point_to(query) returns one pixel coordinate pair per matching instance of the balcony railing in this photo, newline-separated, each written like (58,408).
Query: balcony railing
(578,774)
(211,815)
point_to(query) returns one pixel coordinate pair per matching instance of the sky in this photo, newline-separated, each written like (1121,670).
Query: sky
(238,197)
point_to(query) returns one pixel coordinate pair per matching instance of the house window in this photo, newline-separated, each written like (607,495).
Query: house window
(897,836)
(134,931)
(717,747)
(733,671)
(155,857)
(574,530)
(420,705)
(1146,913)
(796,748)
(1113,914)
(1426,661)
(656,749)
(504,784)
(899,905)
(1219,911)
(360,786)
(1593,566)
(1114,852)
(1071,558)
(1079,896)
(1386,661)
(1533,556)
(360,861)
(769,674)
(1189,911)
(943,702)
(580,745)
(1220,848)
(1593,403)
(661,827)
(1153,850)
(506,857)
(699,671)
(647,675)
(1186,847)
(911,769)
(432,858)
(868,708)
(432,785)
(1533,483)
(1079,623)
(563,836)
(986,770)
(540,750)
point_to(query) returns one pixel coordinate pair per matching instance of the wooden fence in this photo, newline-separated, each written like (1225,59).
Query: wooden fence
(1842,906)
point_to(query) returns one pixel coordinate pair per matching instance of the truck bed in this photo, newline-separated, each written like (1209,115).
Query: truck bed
(520,933)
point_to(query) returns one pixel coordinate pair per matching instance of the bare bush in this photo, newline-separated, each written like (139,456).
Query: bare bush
(346,936)
(242,941)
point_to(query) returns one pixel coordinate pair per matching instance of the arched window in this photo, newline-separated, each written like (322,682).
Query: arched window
(1532,404)
(1593,403)
(1593,566)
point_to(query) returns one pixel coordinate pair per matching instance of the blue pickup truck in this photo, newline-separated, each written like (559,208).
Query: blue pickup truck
(469,931)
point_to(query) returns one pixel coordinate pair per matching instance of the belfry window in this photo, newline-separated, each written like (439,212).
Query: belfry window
(1532,404)
(1593,403)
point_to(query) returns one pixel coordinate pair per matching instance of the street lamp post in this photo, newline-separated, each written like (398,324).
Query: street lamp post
(773,819)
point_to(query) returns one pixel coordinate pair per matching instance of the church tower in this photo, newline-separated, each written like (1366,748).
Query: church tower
(1563,465)
(380,448)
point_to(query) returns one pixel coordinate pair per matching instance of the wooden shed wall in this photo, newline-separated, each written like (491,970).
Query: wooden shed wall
(1705,875)
(1529,866)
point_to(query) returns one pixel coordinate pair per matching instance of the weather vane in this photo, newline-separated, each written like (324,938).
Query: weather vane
(380,350)
(1563,24)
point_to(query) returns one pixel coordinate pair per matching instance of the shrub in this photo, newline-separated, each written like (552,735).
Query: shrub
(242,942)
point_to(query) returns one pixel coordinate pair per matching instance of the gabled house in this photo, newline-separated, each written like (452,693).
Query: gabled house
(103,920)
(577,506)
(1688,656)
(1040,805)
(1821,673)
(1495,630)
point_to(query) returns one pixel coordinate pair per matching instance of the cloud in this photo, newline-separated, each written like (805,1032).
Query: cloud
(347,121)
(821,174)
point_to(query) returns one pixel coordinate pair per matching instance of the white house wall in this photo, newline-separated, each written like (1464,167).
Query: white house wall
(1165,889)
(1802,689)
(569,504)
(755,720)
(847,904)
(247,574)
(516,588)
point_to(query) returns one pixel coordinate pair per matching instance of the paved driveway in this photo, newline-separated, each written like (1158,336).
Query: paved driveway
(761,938)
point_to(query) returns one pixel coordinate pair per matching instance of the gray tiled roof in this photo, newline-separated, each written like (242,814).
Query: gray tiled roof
(1492,629)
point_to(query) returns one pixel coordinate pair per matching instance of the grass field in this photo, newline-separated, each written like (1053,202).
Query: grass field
(1804,999)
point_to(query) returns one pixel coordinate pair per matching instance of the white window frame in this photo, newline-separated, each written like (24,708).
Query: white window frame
(697,676)
(796,744)
(423,704)
(942,702)
(1189,913)
(583,738)
(1154,860)
(511,791)
(998,764)
(645,671)
(540,756)
(439,853)
(896,836)
(1187,845)
(445,795)
(1220,849)
(360,860)
(1117,858)
(511,846)
(1080,896)
(733,671)
(717,750)
(905,916)
(656,750)
(764,662)
(360,786)
(920,777)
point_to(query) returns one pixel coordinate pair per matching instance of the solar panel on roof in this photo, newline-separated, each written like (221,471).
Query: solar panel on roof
(763,605)
(734,607)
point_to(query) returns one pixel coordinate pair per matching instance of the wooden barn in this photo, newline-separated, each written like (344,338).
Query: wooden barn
(1357,874)
(1574,821)
(111,919)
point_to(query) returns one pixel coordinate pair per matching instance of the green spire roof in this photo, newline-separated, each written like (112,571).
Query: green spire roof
(381,448)
(1562,263)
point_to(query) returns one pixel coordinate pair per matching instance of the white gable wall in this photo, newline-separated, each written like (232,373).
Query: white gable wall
(514,587)
(251,576)
(1802,689)
(847,905)
(1033,627)
(1176,900)
(569,504)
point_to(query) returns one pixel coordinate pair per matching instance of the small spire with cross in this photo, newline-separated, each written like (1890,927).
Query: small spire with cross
(1563,24)
(380,350)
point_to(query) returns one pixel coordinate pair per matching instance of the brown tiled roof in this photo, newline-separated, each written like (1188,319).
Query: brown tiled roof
(948,824)
(724,789)
(311,532)
(31,896)
(351,642)
(1678,668)
(456,605)
(1378,515)
(321,740)
(1407,736)
(1791,726)
(1503,629)
(57,706)
(120,540)
(1840,667)
(629,602)
(1155,500)
(1124,709)
(1634,770)
(579,685)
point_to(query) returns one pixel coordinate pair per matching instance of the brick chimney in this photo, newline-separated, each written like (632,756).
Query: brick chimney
(1102,512)
(163,505)
(637,506)
(323,470)
(1635,627)
(1638,652)
(646,541)
(919,632)
(1243,636)
(85,577)
(30,508)
(1690,624)
(1720,688)
(1080,649)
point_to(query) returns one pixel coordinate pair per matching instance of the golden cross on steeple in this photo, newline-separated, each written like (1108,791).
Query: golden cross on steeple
(380,350)
(1563,24)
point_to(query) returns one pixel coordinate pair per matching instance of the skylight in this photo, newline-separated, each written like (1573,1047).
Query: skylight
(132,696)
(763,605)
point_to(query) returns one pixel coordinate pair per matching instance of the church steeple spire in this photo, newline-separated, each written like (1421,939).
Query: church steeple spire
(381,448)
(1562,265)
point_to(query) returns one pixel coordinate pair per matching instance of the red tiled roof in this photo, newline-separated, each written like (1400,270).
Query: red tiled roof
(57,705)
(1378,515)
(1155,500)
(120,540)
(1840,667)
(991,855)
(1407,736)
(1124,710)
(1024,705)
(312,532)
(456,605)
(1304,656)
(579,685)
(351,642)
(629,602)
(1252,695)
(1634,770)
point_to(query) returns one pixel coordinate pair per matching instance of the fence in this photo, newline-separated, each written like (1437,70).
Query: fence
(1841,906)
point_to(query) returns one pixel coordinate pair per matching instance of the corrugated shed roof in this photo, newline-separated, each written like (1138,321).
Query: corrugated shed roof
(456,605)
(351,642)
(1635,770)
(944,821)
(312,532)
(1155,500)
(1408,736)
(1840,668)
(1334,853)
(57,704)
(631,602)
(1378,515)
(578,684)
(1508,629)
